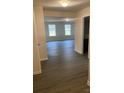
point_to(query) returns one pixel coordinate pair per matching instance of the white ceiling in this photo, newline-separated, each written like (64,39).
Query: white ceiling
(74,5)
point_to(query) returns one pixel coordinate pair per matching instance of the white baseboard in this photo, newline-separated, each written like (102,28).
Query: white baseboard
(78,51)
(37,72)
(44,59)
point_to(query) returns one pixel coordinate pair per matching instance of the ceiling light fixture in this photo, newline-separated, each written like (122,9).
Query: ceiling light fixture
(64,3)
(66,19)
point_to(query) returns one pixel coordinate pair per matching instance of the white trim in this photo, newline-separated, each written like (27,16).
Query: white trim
(88,82)
(37,72)
(78,51)
(44,59)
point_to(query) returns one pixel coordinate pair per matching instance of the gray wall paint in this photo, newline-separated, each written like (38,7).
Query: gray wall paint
(60,31)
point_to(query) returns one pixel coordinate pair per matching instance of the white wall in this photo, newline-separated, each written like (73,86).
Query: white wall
(79,28)
(39,37)
(40,28)
(36,56)
(60,31)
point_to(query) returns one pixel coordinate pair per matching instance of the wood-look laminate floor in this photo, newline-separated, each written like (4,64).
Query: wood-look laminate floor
(64,72)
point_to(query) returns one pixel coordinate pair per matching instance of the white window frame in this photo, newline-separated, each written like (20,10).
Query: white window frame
(52,34)
(68,31)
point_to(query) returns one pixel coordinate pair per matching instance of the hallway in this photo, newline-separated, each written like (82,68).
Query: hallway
(64,72)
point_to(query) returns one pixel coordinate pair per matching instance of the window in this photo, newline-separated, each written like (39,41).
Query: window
(52,29)
(67,29)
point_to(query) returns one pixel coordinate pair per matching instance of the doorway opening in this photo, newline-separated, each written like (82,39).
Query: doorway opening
(59,36)
(86,35)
